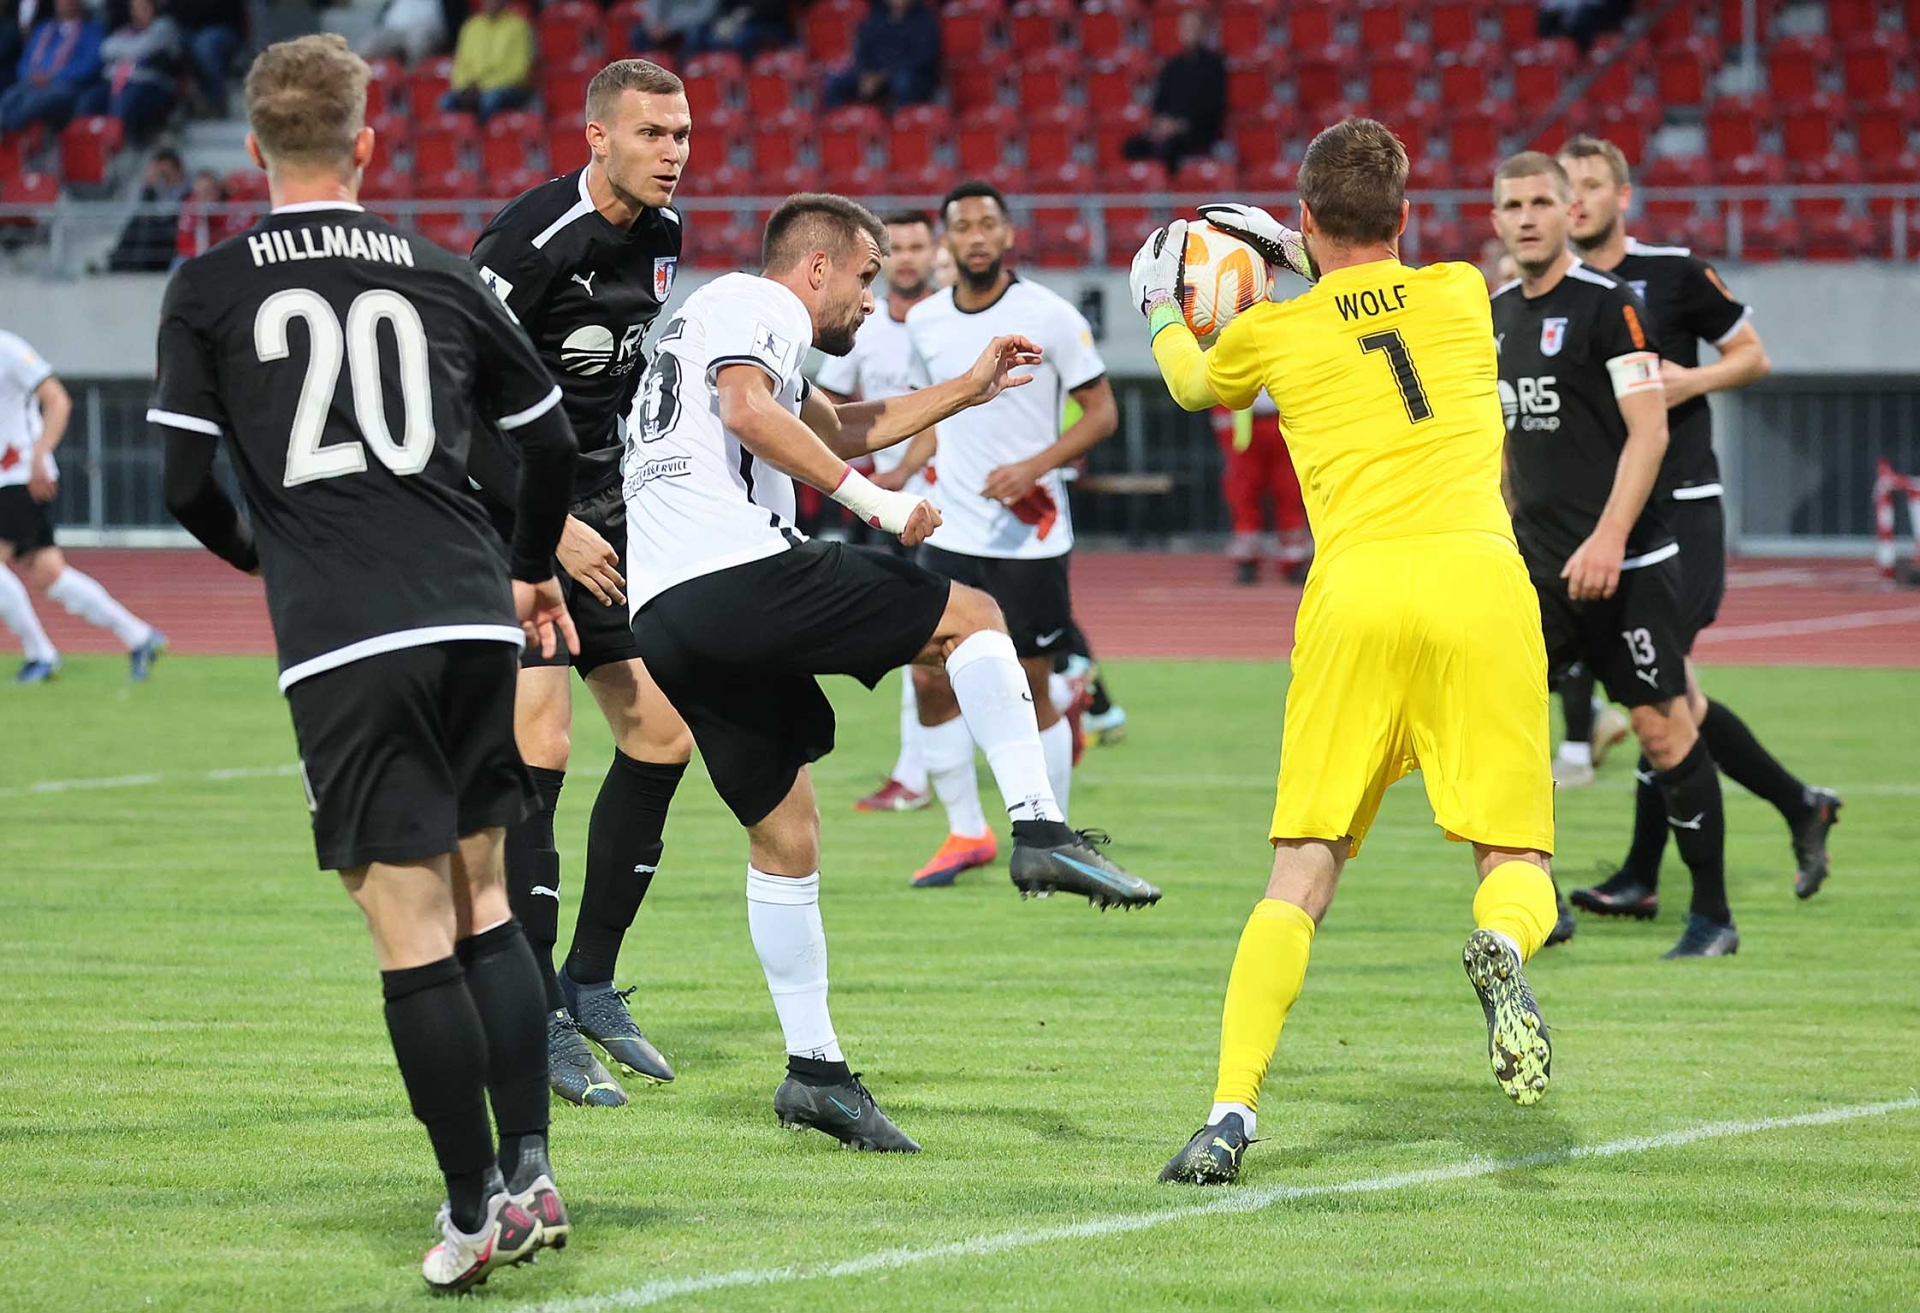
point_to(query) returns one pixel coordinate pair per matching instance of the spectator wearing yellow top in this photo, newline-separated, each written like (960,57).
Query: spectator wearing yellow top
(492,62)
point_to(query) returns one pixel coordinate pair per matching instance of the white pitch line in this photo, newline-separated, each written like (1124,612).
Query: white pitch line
(1826,624)
(1231,1201)
(40,787)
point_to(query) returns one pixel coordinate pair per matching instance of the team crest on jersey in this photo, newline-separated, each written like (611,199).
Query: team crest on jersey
(664,267)
(1553,336)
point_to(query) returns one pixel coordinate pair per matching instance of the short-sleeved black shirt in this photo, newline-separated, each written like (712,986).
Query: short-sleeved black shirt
(1689,304)
(586,292)
(346,364)
(1564,427)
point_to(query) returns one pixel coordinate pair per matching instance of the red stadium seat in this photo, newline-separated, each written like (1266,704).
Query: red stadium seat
(30,189)
(1769,237)
(1245,25)
(1734,124)
(777,79)
(1393,79)
(776,141)
(511,183)
(1834,169)
(86,144)
(967,34)
(1474,145)
(1038,24)
(1257,141)
(1796,68)
(392,133)
(1383,24)
(622,19)
(1675,171)
(569,28)
(1206,177)
(1463,77)
(1309,24)
(1808,131)
(1836,237)
(1107,28)
(1119,81)
(1619,79)
(975,85)
(846,141)
(1901,167)
(447,185)
(1883,126)
(563,87)
(1541,71)
(566,145)
(1453,23)
(1870,61)
(1164,26)
(1320,79)
(1519,21)
(1675,25)
(509,143)
(1732,20)
(1249,88)
(426,85)
(1681,69)
(1110,133)
(1048,78)
(984,137)
(387,89)
(1756,171)
(827,29)
(444,141)
(1053,139)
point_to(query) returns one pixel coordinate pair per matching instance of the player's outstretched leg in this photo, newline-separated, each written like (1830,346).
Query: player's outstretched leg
(1513,913)
(1809,812)
(42,661)
(820,1091)
(83,597)
(1268,970)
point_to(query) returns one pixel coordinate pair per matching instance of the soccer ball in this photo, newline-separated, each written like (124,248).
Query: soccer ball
(1223,277)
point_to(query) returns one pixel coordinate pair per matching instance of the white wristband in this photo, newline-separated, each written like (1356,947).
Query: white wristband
(873,504)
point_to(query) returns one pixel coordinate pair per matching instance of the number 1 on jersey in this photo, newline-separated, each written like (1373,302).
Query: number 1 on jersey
(1404,374)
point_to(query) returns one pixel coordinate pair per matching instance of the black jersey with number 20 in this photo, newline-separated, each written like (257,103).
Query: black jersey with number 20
(1566,357)
(345,364)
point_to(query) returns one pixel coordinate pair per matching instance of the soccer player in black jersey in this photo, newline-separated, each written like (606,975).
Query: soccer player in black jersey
(585,262)
(345,366)
(1587,428)
(1688,303)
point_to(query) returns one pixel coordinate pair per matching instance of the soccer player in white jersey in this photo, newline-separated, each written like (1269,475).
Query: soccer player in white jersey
(1006,527)
(874,370)
(736,611)
(34,410)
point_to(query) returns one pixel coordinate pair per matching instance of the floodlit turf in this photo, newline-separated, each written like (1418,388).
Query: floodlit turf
(198,1107)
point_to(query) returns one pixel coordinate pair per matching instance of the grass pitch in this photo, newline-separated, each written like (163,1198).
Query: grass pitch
(199,1110)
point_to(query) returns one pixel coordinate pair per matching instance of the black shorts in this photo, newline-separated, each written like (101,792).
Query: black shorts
(606,635)
(1634,642)
(1033,594)
(407,752)
(24,522)
(1700,527)
(736,652)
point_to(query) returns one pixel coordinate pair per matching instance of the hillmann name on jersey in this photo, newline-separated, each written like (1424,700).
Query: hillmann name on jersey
(278,245)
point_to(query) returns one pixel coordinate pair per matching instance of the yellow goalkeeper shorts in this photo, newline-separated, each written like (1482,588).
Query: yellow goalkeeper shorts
(1420,653)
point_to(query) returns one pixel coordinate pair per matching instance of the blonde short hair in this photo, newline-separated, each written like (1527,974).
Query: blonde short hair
(603,93)
(307,100)
(1584,147)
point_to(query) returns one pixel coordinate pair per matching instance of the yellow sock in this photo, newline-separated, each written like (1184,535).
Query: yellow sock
(1516,899)
(1267,972)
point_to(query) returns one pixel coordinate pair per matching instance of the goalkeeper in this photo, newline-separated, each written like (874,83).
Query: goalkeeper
(1419,644)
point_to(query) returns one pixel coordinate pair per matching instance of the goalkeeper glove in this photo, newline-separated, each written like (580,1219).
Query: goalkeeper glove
(1278,244)
(1157,272)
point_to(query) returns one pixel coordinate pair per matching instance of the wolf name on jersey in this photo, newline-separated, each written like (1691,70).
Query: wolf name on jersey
(1688,303)
(586,292)
(1566,357)
(342,381)
(877,368)
(1018,424)
(698,501)
(22,371)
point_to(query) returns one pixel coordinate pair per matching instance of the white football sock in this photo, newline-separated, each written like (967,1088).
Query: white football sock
(998,708)
(1576,753)
(83,596)
(1057,742)
(1222,1109)
(910,768)
(783,916)
(16,608)
(1060,692)
(948,752)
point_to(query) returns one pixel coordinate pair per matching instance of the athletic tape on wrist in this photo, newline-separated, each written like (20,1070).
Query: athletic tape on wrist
(873,504)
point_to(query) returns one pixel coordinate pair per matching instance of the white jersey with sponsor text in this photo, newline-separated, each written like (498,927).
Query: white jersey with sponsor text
(697,501)
(22,371)
(876,369)
(1019,423)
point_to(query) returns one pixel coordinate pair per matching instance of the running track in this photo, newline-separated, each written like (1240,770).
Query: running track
(1132,604)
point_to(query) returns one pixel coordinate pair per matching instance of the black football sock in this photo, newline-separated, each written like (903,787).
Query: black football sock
(1699,824)
(1043,834)
(504,982)
(1739,755)
(1099,704)
(1576,704)
(533,877)
(442,1050)
(818,1071)
(1642,865)
(623,852)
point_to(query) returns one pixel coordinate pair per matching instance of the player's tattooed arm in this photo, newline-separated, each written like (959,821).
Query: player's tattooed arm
(868,426)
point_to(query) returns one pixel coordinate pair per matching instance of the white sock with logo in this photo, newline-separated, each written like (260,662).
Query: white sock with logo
(16,608)
(83,596)
(910,768)
(998,708)
(947,751)
(783,916)
(1057,742)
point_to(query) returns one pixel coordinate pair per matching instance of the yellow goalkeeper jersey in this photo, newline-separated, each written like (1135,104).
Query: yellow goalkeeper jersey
(1387,380)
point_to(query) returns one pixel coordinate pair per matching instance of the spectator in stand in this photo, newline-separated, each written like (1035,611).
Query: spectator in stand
(204,220)
(1189,100)
(747,27)
(214,31)
(1581,21)
(412,29)
(492,62)
(674,24)
(16,19)
(146,243)
(60,62)
(896,57)
(142,72)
